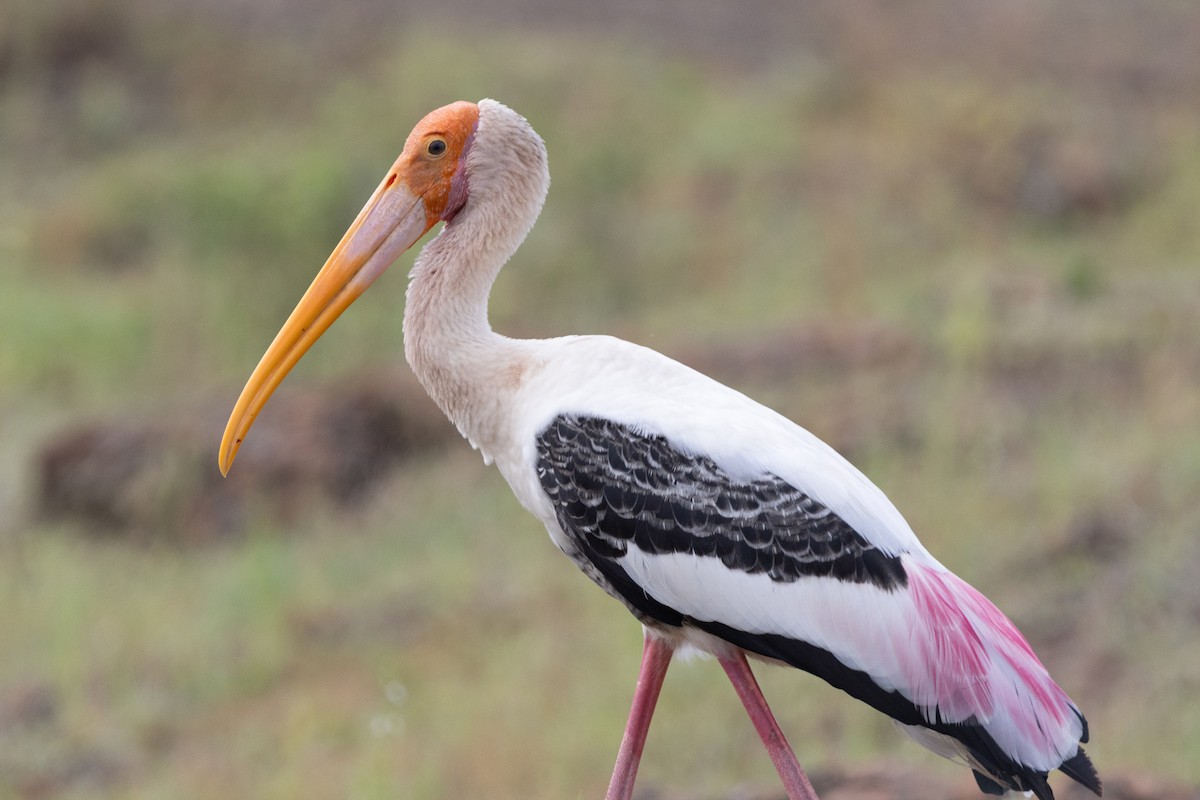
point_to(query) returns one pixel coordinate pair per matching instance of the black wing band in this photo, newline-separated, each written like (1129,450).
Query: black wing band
(613,486)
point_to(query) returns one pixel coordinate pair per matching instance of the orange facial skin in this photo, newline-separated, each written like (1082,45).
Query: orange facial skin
(427,184)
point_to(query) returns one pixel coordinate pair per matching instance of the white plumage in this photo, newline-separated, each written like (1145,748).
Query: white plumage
(718,522)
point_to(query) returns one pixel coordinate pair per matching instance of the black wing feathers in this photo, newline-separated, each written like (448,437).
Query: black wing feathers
(613,487)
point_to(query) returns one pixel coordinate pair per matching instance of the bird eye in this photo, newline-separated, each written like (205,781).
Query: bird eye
(436,147)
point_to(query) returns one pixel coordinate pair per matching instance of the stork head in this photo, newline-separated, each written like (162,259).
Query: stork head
(426,185)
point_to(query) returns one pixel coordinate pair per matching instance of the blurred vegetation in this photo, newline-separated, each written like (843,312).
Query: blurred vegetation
(1009,203)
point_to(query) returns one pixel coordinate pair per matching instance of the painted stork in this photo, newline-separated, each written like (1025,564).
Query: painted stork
(717,522)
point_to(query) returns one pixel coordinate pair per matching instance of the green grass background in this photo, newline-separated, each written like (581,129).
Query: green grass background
(171,176)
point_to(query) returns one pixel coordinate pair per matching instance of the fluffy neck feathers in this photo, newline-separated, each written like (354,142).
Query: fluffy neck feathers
(463,364)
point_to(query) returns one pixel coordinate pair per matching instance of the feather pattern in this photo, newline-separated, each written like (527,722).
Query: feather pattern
(713,518)
(717,521)
(684,544)
(620,489)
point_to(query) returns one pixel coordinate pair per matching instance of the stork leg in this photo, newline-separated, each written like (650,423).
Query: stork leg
(656,657)
(795,782)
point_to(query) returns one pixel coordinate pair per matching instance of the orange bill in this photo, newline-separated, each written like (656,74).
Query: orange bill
(426,185)
(390,223)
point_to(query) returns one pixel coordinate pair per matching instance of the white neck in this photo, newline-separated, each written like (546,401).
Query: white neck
(467,368)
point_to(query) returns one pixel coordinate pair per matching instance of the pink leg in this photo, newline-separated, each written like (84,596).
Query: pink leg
(656,657)
(795,782)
